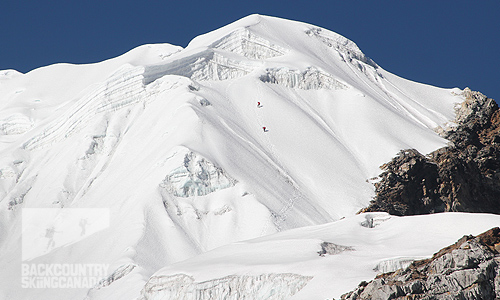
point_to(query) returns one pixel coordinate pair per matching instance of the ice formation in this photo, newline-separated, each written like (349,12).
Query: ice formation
(333,249)
(207,65)
(372,220)
(265,286)
(310,79)
(196,177)
(15,124)
(244,42)
(392,264)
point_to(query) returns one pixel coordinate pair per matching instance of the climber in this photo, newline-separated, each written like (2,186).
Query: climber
(265,130)
(259,105)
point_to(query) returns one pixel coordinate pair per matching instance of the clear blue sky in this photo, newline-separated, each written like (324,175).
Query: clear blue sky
(439,42)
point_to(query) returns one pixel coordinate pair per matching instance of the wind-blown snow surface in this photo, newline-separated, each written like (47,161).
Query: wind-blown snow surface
(171,142)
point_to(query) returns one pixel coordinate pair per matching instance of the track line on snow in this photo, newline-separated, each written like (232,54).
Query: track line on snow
(281,216)
(416,102)
(395,103)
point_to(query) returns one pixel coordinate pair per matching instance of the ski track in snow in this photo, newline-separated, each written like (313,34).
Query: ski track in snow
(281,215)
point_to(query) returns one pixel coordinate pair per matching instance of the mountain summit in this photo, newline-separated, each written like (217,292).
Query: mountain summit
(258,127)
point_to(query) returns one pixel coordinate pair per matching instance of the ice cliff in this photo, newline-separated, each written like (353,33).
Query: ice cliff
(196,177)
(266,286)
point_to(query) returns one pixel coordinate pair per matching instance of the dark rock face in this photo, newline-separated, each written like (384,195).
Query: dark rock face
(468,269)
(465,176)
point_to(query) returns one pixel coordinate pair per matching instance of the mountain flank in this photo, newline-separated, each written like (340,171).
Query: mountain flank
(462,177)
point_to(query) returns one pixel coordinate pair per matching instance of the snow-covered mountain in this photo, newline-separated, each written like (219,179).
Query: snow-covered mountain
(165,153)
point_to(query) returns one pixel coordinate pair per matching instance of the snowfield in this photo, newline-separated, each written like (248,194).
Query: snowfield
(359,248)
(173,144)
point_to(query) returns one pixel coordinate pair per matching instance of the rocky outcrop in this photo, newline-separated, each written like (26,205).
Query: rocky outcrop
(464,176)
(468,269)
(409,185)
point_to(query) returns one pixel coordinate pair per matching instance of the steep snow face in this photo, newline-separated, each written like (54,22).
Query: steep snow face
(260,126)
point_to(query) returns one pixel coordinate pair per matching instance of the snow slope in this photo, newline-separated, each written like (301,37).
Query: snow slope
(360,247)
(170,142)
